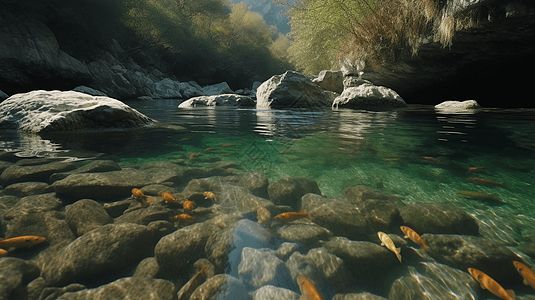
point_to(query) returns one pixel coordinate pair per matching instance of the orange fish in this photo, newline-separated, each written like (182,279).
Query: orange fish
(167,197)
(413,236)
(3,252)
(193,155)
(481,196)
(483,181)
(137,193)
(526,272)
(486,282)
(149,199)
(210,195)
(389,244)
(475,169)
(227,145)
(308,289)
(208,150)
(188,205)
(183,217)
(291,216)
(22,241)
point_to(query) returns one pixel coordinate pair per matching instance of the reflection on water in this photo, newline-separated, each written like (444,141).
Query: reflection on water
(416,153)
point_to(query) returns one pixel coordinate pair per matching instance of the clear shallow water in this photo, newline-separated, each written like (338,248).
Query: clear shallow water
(416,153)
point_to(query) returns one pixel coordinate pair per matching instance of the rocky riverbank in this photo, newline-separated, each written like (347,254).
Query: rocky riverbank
(105,240)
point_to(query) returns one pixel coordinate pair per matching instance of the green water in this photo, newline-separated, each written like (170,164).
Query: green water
(416,153)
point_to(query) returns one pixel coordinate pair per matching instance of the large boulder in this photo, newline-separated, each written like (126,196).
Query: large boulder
(291,90)
(166,89)
(49,111)
(331,81)
(368,96)
(219,100)
(468,106)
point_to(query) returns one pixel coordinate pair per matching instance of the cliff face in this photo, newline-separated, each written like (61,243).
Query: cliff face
(490,62)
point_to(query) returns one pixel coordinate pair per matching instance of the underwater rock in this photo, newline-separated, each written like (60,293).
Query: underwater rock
(40,173)
(22,189)
(237,199)
(269,292)
(183,247)
(368,96)
(117,247)
(224,249)
(381,215)
(359,193)
(218,100)
(145,215)
(286,249)
(359,296)
(148,268)
(256,183)
(330,80)
(16,274)
(52,111)
(116,209)
(290,90)
(462,252)
(33,204)
(50,225)
(127,288)
(368,261)
(111,185)
(85,215)
(451,285)
(260,267)
(327,270)
(288,191)
(339,217)
(306,233)
(55,293)
(204,270)
(221,287)
(438,218)
(96,166)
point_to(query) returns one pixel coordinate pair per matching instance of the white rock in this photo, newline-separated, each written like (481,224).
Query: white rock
(218,100)
(46,111)
(458,105)
(290,90)
(166,89)
(87,90)
(217,89)
(369,96)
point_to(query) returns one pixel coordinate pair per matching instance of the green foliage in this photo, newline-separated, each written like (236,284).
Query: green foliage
(320,28)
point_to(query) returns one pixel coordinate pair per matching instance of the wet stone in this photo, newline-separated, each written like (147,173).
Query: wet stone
(147,268)
(183,247)
(127,288)
(368,261)
(339,217)
(117,246)
(96,166)
(359,296)
(462,252)
(15,274)
(115,209)
(307,233)
(55,293)
(438,218)
(23,189)
(146,215)
(269,292)
(260,267)
(33,204)
(419,286)
(86,215)
(221,287)
(288,191)
(237,199)
(381,215)
(286,249)
(39,173)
